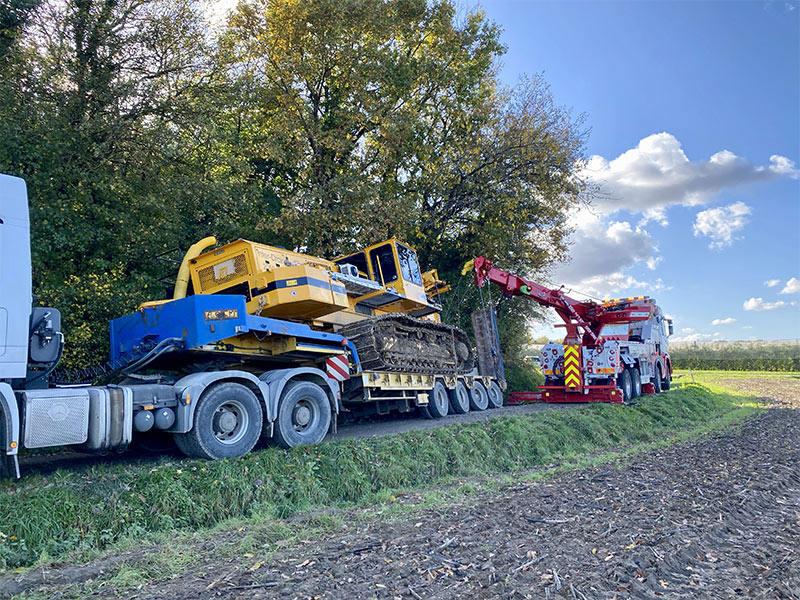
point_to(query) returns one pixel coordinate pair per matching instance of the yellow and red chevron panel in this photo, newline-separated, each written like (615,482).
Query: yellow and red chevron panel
(572,367)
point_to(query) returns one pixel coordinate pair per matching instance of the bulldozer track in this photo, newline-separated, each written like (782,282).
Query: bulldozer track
(402,343)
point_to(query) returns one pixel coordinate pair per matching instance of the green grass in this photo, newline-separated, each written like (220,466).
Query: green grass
(90,509)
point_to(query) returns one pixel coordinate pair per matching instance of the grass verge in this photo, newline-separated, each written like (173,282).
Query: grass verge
(48,517)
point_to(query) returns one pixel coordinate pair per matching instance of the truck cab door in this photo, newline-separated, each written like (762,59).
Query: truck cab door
(15,278)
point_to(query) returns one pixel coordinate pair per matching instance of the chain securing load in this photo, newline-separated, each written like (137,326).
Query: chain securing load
(409,345)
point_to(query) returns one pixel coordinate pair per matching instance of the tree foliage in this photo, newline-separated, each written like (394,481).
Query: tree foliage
(324,125)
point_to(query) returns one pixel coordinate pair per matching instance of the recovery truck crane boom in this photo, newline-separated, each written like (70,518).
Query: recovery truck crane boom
(612,351)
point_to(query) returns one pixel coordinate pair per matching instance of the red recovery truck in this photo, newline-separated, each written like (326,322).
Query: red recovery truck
(612,352)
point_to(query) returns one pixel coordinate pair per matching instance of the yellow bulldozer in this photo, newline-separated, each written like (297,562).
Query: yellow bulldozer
(378,298)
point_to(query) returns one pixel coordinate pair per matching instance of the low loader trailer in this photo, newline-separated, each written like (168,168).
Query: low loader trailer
(257,344)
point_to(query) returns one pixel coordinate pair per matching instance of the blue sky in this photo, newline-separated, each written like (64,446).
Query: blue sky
(665,87)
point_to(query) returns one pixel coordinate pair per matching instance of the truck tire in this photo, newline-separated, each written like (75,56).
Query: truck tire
(478,397)
(636,382)
(304,415)
(495,395)
(459,398)
(666,383)
(438,402)
(227,423)
(657,379)
(625,383)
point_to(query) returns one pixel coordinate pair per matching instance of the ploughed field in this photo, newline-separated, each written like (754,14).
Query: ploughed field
(717,516)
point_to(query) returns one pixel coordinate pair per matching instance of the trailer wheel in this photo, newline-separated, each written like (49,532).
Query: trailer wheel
(478,397)
(459,398)
(495,395)
(625,383)
(657,379)
(636,382)
(437,401)
(304,415)
(227,423)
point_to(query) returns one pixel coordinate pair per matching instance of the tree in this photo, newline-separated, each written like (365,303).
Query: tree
(386,119)
(14,15)
(98,116)
(324,125)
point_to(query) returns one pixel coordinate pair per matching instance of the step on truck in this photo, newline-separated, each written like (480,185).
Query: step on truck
(255,344)
(613,351)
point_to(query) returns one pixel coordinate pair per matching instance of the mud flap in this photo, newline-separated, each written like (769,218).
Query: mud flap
(9,467)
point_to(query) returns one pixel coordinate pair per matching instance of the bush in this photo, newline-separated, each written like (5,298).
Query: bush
(523,378)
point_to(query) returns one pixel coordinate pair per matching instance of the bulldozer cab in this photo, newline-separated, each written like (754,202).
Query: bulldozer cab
(386,263)
(395,266)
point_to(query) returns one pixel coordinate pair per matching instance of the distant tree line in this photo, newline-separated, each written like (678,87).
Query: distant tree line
(324,125)
(738,356)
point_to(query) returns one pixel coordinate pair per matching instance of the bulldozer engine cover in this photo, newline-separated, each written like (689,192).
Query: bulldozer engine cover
(405,344)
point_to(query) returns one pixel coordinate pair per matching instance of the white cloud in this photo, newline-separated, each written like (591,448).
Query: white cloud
(720,224)
(647,180)
(726,321)
(759,304)
(686,330)
(792,286)
(772,282)
(657,174)
(601,251)
(698,337)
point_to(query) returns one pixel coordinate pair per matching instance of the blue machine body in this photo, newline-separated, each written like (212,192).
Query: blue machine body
(207,319)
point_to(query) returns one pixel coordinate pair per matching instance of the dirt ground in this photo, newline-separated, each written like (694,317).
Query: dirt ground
(715,518)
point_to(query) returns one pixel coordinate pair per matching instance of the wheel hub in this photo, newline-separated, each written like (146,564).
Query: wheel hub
(225,421)
(302,415)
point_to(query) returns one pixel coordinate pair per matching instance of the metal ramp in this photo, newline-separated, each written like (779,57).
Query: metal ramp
(487,341)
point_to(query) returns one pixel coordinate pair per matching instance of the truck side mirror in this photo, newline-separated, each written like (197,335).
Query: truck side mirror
(671,328)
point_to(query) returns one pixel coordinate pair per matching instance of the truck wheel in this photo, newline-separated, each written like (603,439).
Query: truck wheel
(304,415)
(666,383)
(636,382)
(227,423)
(459,398)
(495,395)
(478,397)
(437,401)
(625,383)
(657,379)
